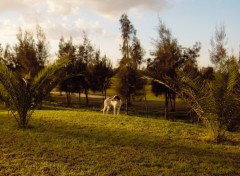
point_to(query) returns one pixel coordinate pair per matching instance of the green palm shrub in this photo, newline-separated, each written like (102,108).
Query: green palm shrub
(23,95)
(216,102)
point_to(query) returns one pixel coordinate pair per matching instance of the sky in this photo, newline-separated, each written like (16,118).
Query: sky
(190,21)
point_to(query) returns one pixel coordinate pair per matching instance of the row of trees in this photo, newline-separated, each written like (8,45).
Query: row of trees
(85,69)
(88,70)
(213,93)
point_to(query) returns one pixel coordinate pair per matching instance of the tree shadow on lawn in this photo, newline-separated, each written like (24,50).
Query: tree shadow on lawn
(146,149)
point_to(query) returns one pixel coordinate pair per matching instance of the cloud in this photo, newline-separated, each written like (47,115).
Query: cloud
(89,26)
(60,7)
(110,8)
(58,15)
(21,7)
(69,17)
(7,27)
(106,8)
(14,5)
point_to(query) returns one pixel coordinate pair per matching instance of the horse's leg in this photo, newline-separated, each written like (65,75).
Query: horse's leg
(108,109)
(104,109)
(118,110)
(114,110)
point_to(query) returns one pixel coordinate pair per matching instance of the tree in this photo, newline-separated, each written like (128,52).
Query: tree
(41,47)
(30,53)
(130,81)
(168,56)
(127,30)
(166,59)
(101,72)
(24,95)
(218,52)
(8,58)
(85,55)
(136,53)
(84,68)
(106,68)
(66,48)
(207,73)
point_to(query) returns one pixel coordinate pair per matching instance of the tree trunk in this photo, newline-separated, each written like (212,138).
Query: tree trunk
(172,98)
(86,95)
(171,102)
(103,98)
(79,98)
(105,93)
(23,123)
(68,96)
(166,105)
(129,100)
(146,105)
(40,106)
(174,102)
(127,105)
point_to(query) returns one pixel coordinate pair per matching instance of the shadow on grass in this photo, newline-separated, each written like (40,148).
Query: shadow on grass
(150,150)
(98,148)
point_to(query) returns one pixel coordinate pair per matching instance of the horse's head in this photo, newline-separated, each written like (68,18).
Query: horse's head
(116,97)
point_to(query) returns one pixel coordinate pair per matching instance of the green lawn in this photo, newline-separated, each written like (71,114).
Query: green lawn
(71,142)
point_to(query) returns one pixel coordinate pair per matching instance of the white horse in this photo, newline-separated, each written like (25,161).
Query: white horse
(115,102)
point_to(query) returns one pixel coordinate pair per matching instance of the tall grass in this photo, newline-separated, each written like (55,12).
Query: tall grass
(66,142)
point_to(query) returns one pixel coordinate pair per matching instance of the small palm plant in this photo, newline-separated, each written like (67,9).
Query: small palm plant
(24,95)
(216,102)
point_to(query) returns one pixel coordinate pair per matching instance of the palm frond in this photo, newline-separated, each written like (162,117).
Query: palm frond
(24,95)
(10,84)
(233,74)
(48,78)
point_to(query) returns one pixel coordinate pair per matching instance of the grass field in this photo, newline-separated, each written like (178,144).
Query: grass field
(77,142)
(153,107)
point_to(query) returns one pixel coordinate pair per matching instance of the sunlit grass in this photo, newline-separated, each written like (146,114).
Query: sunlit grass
(68,142)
